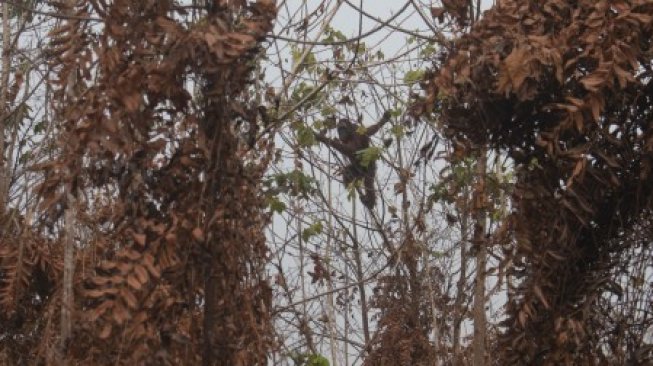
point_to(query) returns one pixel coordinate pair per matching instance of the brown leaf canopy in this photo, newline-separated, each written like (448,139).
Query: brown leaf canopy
(564,87)
(152,115)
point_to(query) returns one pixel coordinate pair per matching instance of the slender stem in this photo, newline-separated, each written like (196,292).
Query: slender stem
(458,311)
(359,277)
(481,258)
(330,301)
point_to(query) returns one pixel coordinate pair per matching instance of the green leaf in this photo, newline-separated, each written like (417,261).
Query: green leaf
(534,164)
(427,51)
(437,254)
(312,230)
(331,35)
(413,76)
(369,155)
(328,110)
(40,126)
(440,193)
(294,183)
(317,360)
(398,131)
(309,61)
(305,137)
(24,158)
(361,48)
(302,182)
(304,90)
(351,190)
(276,206)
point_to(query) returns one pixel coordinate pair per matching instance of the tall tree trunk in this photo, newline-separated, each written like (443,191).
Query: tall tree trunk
(67,297)
(458,310)
(4,94)
(481,257)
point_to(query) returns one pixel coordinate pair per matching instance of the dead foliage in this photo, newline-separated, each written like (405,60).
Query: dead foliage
(564,87)
(155,152)
(405,318)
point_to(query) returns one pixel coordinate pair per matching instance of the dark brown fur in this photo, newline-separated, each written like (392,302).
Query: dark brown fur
(350,141)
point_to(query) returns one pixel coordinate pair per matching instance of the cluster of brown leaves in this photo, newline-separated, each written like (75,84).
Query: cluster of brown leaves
(563,86)
(459,10)
(405,317)
(29,266)
(170,257)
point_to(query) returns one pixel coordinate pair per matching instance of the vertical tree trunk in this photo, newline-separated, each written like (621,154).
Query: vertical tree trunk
(458,311)
(67,297)
(4,93)
(481,257)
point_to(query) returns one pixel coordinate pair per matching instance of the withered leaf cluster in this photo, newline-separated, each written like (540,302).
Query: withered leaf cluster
(564,87)
(405,318)
(152,112)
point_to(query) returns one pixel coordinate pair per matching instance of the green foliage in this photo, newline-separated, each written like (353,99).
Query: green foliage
(309,62)
(333,35)
(305,136)
(313,230)
(427,51)
(396,112)
(25,157)
(305,91)
(351,189)
(456,176)
(534,164)
(398,131)
(463,173)
(328,110)
(40,126)
(440,193)
(361,47)
(19,115)
(307,359)
(369,155)
(294,183)
(437,254)
(275,205)
(413,76)
(317,360)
